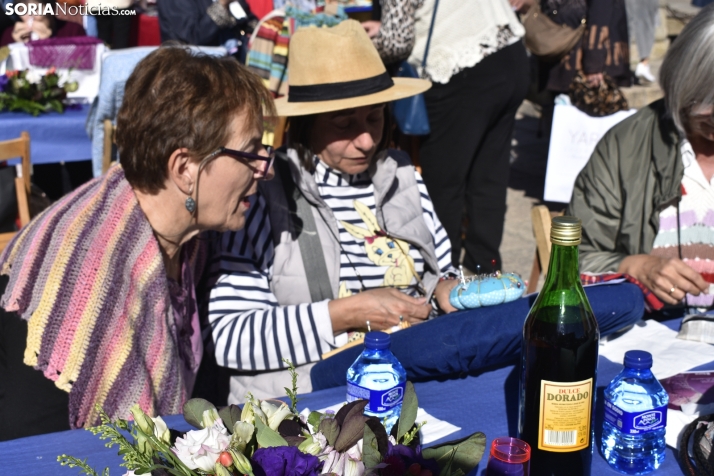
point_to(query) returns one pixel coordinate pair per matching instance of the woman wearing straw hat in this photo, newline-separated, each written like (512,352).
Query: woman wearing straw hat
(345,237)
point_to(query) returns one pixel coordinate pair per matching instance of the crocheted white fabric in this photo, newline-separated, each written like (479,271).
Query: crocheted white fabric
(465,32)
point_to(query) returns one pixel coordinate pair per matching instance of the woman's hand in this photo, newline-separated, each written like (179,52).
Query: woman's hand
(668,278)
(372,27)
(42,29)
(593,80)
(381,307)
(21,32)
(521,6)
(443,289)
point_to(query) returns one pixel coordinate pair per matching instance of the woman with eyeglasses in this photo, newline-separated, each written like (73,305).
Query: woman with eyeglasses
(343,240)
(646,197)
(98,292)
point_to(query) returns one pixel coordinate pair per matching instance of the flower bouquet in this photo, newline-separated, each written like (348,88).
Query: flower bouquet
(31,92)
(270,438)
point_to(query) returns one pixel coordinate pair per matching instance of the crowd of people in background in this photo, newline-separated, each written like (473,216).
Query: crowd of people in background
(386,240)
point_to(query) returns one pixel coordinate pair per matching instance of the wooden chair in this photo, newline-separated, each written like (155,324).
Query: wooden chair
(541,218)
(11,149)
(109,131)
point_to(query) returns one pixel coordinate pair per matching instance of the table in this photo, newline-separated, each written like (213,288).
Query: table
(485,402)
(54,137)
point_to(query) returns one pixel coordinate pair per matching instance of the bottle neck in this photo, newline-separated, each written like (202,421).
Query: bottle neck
(563,269)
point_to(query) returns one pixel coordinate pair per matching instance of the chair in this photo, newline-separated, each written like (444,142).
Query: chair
(11,149)
(541,218)
(109,131)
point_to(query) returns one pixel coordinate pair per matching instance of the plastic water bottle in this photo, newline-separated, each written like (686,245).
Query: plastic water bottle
(635,417)
(378,376)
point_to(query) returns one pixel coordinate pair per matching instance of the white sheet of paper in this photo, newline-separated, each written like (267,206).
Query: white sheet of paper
(671,355)
(434,429)
(572,142)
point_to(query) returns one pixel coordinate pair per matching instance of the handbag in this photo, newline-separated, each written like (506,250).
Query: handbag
(546,39)
(601,101)
(410,113)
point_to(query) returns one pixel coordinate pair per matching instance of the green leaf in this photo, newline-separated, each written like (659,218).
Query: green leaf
(267,437)
(466,453)
(407,417)
(331,429)
(371,456)
(380,433)
(230,416)
(193,411)
(314,419)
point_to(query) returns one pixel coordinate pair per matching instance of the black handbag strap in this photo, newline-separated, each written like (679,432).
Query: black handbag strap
(428,38)
(302,218)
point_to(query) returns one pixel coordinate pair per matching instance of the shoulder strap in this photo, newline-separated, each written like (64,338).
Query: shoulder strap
(428,38)
(302,218)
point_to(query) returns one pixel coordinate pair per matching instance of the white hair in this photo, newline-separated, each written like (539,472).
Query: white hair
(687,74)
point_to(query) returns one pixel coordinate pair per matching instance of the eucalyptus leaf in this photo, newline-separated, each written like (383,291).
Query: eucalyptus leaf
(407,417)
(467,453)
(346,409)
(267,437)
(331,429)
(193,411)
(295,440)
(314,419)
(352,430)
(371,456)
(380,433)
(230,416)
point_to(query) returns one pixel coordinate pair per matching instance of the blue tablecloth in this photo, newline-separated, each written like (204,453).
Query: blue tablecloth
(54,137)
(486,402)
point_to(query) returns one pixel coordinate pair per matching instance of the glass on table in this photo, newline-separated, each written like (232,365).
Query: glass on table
(509,457)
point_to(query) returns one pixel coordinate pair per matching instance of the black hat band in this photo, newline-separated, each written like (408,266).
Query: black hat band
(343,90)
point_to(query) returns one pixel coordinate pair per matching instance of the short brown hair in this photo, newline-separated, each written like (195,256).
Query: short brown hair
(176,98)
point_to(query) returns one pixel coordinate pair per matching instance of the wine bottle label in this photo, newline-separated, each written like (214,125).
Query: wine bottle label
(379,400)
(636,423)
(565,414)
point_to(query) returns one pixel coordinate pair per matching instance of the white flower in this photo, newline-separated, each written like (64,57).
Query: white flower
(242,433)
(343,464)
(33,76)
(210,417)
(161,431)
(199,449)
(129,473)
(275,413)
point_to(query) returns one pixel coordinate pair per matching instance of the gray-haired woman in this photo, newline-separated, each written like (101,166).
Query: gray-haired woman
(646,197)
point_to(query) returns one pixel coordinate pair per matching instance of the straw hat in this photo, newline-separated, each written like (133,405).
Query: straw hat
(338,68)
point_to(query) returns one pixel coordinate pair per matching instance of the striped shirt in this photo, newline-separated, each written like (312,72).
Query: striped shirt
(251,331)
(695,228)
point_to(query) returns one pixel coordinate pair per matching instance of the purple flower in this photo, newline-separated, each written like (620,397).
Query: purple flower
(400,458)
(3,82)
(284,461)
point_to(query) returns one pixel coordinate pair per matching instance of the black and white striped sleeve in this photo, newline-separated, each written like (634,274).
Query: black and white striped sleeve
(442,244)
(250,330)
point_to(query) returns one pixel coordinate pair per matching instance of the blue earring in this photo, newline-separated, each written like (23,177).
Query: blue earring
(190,205)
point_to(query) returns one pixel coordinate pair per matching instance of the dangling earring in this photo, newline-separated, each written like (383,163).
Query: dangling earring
(190,202)
(190,205)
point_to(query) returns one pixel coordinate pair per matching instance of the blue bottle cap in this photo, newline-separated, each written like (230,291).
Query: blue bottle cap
(377,340)
(638,359)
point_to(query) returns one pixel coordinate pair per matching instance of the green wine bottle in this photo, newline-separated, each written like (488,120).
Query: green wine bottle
(559,364)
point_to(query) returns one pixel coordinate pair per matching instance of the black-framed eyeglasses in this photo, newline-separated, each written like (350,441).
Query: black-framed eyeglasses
(246,156)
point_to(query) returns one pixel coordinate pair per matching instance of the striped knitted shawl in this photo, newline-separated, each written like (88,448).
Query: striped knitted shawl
(88,276)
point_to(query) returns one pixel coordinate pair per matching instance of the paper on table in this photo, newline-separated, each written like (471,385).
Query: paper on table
(434,429)
(671,355)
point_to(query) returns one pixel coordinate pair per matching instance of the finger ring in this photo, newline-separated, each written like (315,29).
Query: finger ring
(369,328)
(401,318)
(674,288)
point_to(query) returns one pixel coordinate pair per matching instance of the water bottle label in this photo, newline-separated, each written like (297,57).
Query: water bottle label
(636,423)
(379,400)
